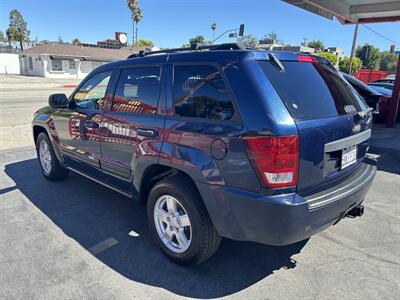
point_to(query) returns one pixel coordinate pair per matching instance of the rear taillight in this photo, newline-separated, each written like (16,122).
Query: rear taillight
(276,159)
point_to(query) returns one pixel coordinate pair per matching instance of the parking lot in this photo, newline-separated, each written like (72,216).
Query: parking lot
(76,239)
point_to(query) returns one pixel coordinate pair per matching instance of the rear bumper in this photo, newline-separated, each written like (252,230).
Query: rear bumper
(283,219)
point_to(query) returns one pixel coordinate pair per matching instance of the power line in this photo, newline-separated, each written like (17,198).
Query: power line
(382,36)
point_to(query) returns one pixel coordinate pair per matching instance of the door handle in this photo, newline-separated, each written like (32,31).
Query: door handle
(147,132)
(91,125)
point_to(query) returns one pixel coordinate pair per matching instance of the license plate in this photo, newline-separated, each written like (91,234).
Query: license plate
(349,156)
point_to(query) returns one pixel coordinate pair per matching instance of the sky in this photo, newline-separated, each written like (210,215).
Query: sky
(170,23)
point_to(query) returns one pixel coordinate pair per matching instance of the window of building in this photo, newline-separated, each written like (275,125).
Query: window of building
(92,93)
(138,90)
(30,63)
(200,92)
(56,65)
(72,65)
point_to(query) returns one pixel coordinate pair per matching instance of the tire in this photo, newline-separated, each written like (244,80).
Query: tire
(51,168)
(201,234)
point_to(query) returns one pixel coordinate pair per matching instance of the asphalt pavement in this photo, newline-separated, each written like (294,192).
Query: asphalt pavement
(78,240)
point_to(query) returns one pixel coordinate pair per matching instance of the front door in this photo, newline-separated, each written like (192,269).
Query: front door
(78,127)
(132,127)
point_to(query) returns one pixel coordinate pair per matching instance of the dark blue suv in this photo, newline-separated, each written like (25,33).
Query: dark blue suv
(251,145)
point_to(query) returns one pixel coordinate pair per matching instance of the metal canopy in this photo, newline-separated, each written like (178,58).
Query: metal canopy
(353,11)
(359,12)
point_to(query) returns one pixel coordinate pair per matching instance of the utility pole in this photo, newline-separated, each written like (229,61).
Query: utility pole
(353,48)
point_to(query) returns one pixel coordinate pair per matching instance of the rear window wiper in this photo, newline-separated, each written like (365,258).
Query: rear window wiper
(276,62)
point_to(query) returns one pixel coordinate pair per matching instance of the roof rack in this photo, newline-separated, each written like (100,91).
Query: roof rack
(193,47)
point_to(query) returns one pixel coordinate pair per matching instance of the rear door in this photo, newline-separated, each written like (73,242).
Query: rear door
(132,126)
(333,125)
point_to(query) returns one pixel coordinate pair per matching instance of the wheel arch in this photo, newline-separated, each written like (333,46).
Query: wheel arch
(37,129)
(155,173)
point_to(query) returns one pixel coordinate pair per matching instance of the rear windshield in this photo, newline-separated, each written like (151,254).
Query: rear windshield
(310,90)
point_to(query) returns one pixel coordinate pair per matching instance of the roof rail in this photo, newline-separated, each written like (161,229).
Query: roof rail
(193,47)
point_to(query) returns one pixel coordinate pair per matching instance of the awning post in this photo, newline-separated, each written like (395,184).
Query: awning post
(394,101)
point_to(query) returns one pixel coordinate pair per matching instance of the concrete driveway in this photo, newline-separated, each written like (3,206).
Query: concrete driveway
(77,240)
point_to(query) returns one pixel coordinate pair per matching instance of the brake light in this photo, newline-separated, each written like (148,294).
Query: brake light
(276,159)
(307,58)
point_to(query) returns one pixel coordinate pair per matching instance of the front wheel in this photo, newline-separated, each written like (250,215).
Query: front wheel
(179,222)
(51,167)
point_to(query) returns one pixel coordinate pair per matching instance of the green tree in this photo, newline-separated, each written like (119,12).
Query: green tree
(17,29)
(330,56)
(249,41)
(2,37)
(345,62)
(76,41)
(60,40)
(372,62)
(197,39)
(273,36)
(145,43)
(317,45)
(388,61)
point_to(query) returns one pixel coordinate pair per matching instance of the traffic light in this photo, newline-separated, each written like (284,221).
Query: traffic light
(365,52)
(392,48)
(241,30)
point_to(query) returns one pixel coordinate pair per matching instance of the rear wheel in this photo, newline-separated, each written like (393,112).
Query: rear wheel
(179,222)
(51,167)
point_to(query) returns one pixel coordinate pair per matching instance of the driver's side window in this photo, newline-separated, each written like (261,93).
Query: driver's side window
(92,93)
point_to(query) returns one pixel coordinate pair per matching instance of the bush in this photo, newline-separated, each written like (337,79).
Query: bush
(145,43)
(329,56)
(344,65)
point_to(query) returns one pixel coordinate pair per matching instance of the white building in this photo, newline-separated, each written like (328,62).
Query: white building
(68,61)
(273,45)
(337,51)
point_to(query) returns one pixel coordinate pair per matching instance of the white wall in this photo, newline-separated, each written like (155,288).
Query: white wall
(82,68)
(42,66)
(37,65)
(9,63)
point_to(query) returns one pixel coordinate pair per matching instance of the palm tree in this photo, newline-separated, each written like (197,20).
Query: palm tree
(132,4)
(138,17)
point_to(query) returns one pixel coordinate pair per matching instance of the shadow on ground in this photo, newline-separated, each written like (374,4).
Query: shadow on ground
(388,160)
(100,220)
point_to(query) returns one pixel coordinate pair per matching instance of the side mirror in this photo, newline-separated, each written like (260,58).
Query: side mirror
(58,101)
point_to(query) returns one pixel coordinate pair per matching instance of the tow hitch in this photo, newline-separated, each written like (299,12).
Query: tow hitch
(357,211)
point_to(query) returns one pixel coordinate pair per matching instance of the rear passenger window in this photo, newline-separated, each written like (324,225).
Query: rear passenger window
(200,92)
(138,90)
(310,91)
